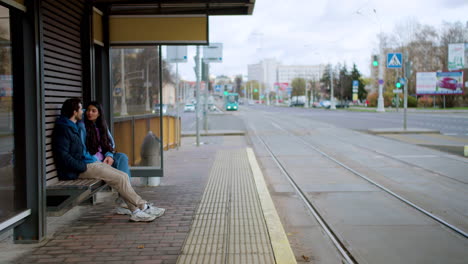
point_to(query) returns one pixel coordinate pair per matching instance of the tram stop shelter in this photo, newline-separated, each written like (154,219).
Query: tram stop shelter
(54,50)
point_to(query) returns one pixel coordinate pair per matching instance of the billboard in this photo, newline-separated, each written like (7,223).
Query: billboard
(436,83)
(282,86)
(457,56)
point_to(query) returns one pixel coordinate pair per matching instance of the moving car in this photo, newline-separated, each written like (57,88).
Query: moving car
(157,107)
(189,108)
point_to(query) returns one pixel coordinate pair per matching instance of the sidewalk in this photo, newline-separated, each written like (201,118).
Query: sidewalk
(236,233)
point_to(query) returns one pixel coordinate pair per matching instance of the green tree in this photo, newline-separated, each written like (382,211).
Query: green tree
(356,75)
(298,86)
(252,86)
(344,83)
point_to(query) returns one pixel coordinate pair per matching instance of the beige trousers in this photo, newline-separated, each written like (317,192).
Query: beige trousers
(116,179)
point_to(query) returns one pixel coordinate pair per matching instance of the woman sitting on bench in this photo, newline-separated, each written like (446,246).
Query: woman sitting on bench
(99,141)
(100,144)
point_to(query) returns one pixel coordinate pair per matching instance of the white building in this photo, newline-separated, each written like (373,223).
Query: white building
(264,72)
(270,71)
(286,73)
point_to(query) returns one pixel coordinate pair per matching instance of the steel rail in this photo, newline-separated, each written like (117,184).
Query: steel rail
(346,255)
(420,209)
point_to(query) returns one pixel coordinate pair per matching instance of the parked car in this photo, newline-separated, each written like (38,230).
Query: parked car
(342,104)
(316,104)
(189,108)
(211,107)
(295,103)
(325,103)
(157,107)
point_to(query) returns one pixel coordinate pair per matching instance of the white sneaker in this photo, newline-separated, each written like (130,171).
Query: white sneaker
(123,211)
(153,210)
(140,216)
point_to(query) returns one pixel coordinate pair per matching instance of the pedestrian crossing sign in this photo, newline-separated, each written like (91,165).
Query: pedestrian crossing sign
(394,60)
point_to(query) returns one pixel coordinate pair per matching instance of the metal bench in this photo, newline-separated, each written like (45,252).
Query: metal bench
(64,195)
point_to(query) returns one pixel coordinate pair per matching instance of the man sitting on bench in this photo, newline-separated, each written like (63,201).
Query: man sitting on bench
(73,161)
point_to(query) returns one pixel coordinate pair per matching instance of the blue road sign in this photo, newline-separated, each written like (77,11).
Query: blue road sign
(217,88)
(355,83)
(394,60)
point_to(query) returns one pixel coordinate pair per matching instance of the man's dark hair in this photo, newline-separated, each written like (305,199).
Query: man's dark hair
(70,106)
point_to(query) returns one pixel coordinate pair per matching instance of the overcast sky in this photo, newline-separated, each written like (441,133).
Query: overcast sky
(309,32)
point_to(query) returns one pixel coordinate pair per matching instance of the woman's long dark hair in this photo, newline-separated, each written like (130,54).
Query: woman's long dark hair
(92,142)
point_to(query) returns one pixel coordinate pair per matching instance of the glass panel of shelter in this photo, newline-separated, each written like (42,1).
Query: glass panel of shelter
(10,191)
(137,114)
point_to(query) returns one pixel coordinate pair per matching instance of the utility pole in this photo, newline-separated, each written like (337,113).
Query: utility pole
(380,100)
(123,100)
(407,73)
(332,99)
(197,105)
(205,106)
(178,96)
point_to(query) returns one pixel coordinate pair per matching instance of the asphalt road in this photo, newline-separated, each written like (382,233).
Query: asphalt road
(454,124)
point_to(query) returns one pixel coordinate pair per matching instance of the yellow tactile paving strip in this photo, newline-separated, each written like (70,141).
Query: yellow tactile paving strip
(229,225)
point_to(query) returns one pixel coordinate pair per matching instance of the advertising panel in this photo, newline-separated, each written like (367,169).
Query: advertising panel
(282,86)
(456,56)
(435,83)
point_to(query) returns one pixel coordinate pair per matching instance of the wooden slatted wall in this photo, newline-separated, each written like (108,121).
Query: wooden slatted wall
(63,69)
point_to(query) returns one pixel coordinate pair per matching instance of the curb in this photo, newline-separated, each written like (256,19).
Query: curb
(402,131)
(279,241)
(214,133)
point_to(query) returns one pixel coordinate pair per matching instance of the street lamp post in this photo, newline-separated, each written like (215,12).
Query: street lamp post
(147,84)
(332,99)
(380,100)
(123,100)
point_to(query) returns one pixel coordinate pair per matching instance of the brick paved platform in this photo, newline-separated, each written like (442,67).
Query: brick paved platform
(100,236)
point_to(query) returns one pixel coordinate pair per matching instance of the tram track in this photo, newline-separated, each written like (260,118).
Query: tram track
(345,254)
(380,186)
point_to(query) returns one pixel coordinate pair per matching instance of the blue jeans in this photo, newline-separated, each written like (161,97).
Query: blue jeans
(121,163)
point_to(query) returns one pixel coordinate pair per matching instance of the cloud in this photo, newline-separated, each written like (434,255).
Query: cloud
(310,32)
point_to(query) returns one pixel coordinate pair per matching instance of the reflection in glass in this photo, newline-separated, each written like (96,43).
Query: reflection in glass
(137,105)
(7,177)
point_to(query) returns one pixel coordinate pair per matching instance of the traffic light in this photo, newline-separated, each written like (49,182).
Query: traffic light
(375,61)
(255,90)
(408,69)
(398,84)
(226,92)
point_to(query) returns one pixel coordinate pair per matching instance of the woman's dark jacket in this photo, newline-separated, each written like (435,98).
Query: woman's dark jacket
(68,149)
